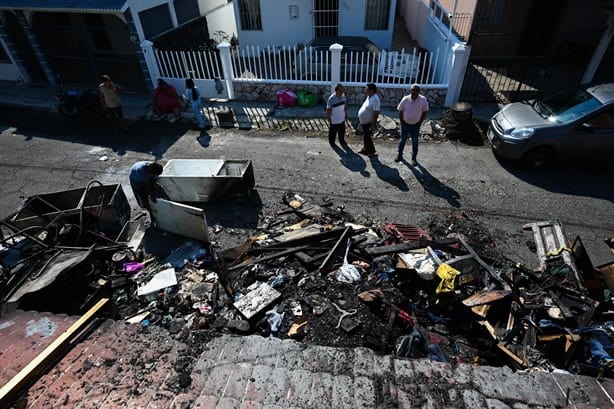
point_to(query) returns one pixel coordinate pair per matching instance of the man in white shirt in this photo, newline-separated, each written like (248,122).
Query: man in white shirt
(336,111)
(367,116)
(413,109)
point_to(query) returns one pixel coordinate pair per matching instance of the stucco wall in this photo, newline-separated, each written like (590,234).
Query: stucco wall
(277,27)
(279,30)
(352,22)
(222,19)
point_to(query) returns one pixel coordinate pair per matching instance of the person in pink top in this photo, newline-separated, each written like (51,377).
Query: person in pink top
(413,109)
(166,100)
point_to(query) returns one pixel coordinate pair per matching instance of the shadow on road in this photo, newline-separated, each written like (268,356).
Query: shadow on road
(350,159)
(578,178)
(388,174)
(141,136)
(434,186)
(204,139)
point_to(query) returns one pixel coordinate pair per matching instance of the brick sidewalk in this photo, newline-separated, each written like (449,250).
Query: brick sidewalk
(131,366)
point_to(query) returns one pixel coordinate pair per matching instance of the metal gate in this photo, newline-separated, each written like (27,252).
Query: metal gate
(325,18)
(499,72)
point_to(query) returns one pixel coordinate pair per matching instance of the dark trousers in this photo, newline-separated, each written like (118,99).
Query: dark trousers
(414,132)
(336,129)
(367,133)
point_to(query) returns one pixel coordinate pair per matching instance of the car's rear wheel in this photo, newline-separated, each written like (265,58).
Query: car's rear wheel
(538,158)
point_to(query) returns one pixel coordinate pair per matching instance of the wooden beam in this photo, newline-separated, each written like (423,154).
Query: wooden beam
(337,250)
(10,390)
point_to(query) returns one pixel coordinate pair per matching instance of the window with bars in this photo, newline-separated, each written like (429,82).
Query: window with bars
(249,15)
(377,13)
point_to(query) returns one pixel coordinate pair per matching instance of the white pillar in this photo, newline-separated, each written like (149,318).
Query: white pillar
(335,65)
(171,9)
(229,75)
(600,50)
(460,58)
(150,60)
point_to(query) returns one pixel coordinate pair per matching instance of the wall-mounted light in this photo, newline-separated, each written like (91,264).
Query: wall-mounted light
(293,9)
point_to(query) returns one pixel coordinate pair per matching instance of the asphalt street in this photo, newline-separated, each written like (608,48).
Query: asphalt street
(42,152)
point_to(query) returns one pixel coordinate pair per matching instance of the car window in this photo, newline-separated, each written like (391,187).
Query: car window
(568,105)
(604,120)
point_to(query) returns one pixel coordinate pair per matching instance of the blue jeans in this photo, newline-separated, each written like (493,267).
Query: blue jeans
(197,114)
(414,132)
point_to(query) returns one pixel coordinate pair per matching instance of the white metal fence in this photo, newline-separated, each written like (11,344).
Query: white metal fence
(199,65)
(291,64)
(217,71)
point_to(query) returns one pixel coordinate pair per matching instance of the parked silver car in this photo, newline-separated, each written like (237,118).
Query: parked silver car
(574,124)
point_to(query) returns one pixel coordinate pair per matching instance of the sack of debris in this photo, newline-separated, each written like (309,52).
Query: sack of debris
(306,98)
(286,97)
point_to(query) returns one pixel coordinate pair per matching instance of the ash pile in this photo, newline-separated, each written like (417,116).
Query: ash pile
(311,273)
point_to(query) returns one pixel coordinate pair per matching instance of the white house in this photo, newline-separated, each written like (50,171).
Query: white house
(78,40)
(288,23)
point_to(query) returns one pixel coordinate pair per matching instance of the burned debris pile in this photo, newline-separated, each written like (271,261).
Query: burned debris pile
(312,273)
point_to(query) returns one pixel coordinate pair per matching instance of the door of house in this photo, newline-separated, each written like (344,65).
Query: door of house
(325,18)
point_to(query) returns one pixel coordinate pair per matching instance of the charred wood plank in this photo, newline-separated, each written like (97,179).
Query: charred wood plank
(16,385)
(392,248)
(282,253)
(337,250)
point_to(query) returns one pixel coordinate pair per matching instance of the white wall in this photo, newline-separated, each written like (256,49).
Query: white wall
(352,22)
(137,6)
(222,19)
(206,6)
(278,29)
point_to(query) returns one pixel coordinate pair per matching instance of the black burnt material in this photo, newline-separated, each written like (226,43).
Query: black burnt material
(310,272)
(459,124)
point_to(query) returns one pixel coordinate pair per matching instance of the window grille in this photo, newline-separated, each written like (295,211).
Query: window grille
(249,13)
(377,13)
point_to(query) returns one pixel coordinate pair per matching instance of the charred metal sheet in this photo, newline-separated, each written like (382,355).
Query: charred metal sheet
(180,219)
(58,264)
(207,180)
(551,243)
(102,206)
(406,232)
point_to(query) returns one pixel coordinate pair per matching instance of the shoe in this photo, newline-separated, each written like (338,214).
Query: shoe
(414,162)
(399,158)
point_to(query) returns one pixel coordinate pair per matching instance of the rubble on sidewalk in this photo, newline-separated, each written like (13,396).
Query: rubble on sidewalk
(313,274)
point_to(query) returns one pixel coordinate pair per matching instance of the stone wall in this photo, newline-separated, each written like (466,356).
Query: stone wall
(261,91)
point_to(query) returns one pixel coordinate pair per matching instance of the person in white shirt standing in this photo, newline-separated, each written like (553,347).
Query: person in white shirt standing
(413,109)
(336,111)
(367,116)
